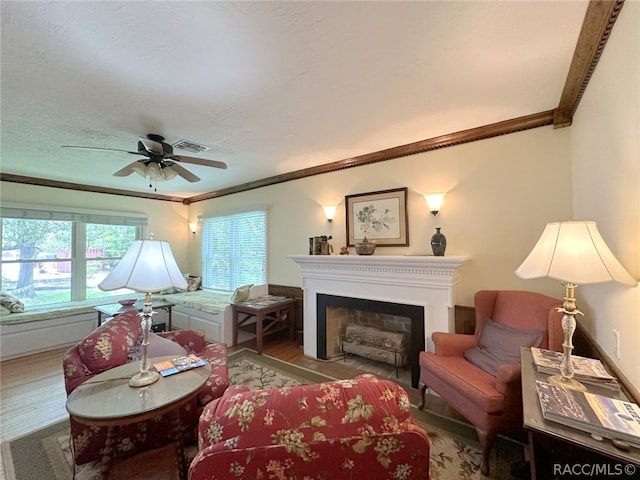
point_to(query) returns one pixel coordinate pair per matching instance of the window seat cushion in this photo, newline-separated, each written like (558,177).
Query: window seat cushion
(204,300)
(36,314)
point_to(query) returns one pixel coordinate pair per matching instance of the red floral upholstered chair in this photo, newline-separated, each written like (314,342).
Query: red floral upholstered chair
(479,375)
(359,428)
(113,344)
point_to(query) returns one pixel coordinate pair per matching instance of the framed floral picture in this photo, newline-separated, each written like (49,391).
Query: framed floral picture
(379,216)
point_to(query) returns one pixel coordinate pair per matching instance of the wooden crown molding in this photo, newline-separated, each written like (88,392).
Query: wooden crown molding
(598,22)
(600,17)
(44,182)
(448,140)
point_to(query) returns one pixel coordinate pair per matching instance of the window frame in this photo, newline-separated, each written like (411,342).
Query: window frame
(235,215)
(79,219)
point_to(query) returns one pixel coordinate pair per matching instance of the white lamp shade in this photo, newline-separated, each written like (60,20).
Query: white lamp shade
(434,200)
(573,252)
(329,211)
(148,266)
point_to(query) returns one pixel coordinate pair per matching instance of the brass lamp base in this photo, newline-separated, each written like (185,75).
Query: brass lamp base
(570,383)
(143,379)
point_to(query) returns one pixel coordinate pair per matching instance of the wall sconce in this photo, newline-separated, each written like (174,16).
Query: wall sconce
(434,200)
(193,227)
(329,211)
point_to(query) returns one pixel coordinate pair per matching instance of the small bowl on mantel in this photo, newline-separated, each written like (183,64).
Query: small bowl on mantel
(366,247)
(127,302)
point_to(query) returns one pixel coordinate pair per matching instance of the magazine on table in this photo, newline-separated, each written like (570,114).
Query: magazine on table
(586,370)
(178,364)
(597,414)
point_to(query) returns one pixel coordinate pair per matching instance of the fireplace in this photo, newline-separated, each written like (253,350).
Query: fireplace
(394,313)
(426,284)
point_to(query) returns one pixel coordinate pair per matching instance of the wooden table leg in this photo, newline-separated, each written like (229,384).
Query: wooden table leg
(259,332)
(292,329)
(178,437)
(107,453)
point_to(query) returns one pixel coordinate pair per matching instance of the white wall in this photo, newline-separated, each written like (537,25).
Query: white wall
(605,147)
(501,193)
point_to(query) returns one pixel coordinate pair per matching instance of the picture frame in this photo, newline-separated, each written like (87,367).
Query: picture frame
(379,216)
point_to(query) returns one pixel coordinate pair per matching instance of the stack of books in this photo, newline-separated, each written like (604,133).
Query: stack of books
(588,371)
(597,414)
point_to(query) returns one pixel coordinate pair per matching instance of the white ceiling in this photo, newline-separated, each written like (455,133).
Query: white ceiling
(271,87)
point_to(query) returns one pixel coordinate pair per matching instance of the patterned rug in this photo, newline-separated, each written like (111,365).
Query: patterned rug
(455,451)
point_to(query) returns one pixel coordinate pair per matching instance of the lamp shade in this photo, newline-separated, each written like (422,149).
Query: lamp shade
(573,252)
(434,200)
(148,266)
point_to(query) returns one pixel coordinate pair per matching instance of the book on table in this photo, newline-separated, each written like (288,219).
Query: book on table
(589,371)
(178,364)
(596,414)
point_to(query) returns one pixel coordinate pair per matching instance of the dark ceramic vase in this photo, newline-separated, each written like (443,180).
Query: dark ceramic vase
(438,243)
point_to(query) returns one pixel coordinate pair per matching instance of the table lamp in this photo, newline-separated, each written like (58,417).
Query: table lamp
(148,266)
(574,253)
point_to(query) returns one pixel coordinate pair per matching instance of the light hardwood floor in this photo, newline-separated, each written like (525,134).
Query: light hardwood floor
(32,393)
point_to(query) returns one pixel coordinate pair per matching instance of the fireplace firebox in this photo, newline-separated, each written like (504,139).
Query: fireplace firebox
(414,313)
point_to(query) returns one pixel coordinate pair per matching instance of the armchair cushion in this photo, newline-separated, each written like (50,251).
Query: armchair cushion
(499,344)
(358,428)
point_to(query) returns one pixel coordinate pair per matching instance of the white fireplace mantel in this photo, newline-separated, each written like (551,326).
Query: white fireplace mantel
(427,281)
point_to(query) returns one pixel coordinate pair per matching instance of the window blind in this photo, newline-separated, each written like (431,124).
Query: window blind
(234,250)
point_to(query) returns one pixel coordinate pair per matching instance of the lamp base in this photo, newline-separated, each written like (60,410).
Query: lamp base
(570,383)
(143,379)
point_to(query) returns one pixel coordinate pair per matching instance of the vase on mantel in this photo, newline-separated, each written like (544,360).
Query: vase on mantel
(438,243)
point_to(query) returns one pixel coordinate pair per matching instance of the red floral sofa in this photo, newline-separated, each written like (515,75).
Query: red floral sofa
(113,344)
(358,428)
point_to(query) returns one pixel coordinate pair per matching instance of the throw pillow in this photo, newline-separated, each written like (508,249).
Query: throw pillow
(194,283)
(241,293)
(497,344)
(158,347)
(12,303)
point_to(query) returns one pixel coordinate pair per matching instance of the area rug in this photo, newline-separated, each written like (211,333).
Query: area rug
(455,453)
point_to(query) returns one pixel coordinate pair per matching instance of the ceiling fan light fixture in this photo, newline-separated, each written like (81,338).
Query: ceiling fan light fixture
(155,172)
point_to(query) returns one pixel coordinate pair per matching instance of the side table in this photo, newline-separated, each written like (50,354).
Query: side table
(554,447)
(271,313)
(113,309)
(107,400)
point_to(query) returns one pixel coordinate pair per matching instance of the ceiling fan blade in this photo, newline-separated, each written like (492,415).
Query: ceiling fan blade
(198,161)
(128,170)
(102,149)
(184,173)
(151,146)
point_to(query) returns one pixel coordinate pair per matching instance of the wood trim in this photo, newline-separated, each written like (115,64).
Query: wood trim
(44,182)
(587,346)
(598,22)
(449,140)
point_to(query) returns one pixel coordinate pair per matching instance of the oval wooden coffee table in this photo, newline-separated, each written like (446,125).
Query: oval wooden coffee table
(107,400)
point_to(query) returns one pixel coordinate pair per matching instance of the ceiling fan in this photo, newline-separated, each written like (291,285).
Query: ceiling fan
(160,162)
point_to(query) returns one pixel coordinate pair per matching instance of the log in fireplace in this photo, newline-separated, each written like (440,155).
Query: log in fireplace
(414,315)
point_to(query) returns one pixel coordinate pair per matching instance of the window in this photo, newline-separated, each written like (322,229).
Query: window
(234,250)
(51,257)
